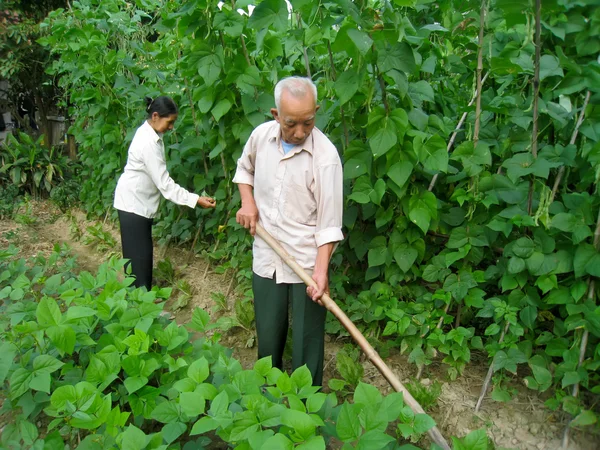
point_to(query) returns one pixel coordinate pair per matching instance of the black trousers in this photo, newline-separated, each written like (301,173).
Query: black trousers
(271,302)
(136,240)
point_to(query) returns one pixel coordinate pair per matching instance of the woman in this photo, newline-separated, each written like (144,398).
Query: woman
(138,190)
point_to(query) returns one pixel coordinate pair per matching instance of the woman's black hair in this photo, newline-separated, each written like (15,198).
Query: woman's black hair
(163,105)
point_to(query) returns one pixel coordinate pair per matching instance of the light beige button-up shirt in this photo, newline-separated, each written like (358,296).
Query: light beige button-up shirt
(146,177)
(299,196)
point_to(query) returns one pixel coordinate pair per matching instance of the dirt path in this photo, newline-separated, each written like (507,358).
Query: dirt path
(524,423)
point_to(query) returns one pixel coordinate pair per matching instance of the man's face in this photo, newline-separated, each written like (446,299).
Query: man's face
(296,116)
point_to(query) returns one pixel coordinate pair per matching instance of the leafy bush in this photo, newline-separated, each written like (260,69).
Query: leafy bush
(93,360)
(9,201)
(30,165)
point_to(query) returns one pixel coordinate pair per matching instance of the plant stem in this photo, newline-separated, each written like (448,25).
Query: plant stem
(561,171)
(383,91)
(585,335)
(490,372)
(479,71)
(582,349)
(536,95)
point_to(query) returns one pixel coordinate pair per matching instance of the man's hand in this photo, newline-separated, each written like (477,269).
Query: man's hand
(322,281)
(247,216)
(207,202)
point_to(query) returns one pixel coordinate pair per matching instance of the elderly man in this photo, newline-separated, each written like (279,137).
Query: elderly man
(290,181)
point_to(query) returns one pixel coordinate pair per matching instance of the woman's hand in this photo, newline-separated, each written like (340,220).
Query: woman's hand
(207,202)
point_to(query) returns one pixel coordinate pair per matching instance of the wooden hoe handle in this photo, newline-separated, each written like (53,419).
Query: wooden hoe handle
(368,350)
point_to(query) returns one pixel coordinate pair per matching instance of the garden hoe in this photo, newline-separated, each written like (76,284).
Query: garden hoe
(368,350)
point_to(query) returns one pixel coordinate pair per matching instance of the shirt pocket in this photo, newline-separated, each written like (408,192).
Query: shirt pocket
(300,205)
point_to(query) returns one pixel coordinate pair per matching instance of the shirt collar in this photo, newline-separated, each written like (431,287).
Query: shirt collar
(275,135)
(152,132)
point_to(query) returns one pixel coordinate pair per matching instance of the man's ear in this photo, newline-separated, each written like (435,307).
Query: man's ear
(317,108)
(275,114)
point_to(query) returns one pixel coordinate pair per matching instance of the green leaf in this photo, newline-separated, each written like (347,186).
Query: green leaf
(48,312)
(584,418)
(475,440)
(199,370)
(133,384)
(19,382)
(63,337)
(301,377)
(204,425)
(528,316)
(29,432)
(62,395)
(378,251)
(315,402)
(8,352)
(550,66)
(221,109)
(219,404)
(382,141)
(500,395)
(277,442)
(523,247)
(267,13)
(583,255)
(192,403)
(399,57)
(405,257)
(400,172)
(172,431)
(374,439)
(41,382)
(419,214)
(299,421)
(346,86)
(79,312)
(367,394)
(132,439)
(348,425)
(423,423)
(516,265)
(200,319)
(166,412)
(361,40)
(314,443)
(570,378)
(46,364)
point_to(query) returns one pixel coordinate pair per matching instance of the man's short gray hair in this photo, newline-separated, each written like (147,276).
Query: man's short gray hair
(297,86)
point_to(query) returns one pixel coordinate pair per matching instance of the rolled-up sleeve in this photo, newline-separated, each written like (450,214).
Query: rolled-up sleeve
(154,160)
(329,196)
(244,173)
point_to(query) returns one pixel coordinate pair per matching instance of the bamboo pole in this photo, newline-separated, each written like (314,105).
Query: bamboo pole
(369,351)
(536,97)
(585,335)
(457,129)
(561,171)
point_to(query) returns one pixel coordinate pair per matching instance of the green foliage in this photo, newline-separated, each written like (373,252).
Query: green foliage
(96,358)
(426,396)
(472,237)
(30,166)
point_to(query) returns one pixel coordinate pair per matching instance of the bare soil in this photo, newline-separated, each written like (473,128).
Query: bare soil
(523,424)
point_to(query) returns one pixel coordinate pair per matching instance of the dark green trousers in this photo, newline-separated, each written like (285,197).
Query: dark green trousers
(271,302)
